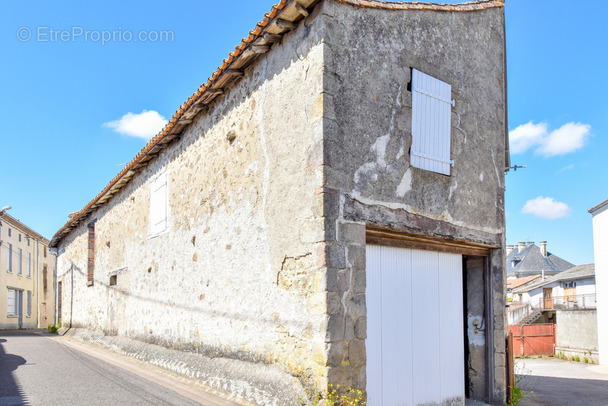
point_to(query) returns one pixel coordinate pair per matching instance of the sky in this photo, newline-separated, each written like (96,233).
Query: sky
(83,85)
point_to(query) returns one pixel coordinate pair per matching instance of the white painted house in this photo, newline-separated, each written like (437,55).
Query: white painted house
(600,242)
(574,288)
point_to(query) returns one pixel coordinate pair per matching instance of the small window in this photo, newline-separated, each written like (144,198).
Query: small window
(29,264)
(28,242)
(113,280)
(9,265)
(431,123)
(29,303)
(158,205)
(19,237)
(9,232)
(11,303)
(44,252)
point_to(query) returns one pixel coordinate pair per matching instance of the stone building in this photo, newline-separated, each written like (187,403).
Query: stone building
(27,271)
(324,210)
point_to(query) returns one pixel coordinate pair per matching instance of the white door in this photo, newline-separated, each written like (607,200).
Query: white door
(415,338)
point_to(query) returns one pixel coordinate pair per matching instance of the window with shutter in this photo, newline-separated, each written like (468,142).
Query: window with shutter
(29,303)
(20,265)
(11,308)
(9,265)
(158,205)
(431,123)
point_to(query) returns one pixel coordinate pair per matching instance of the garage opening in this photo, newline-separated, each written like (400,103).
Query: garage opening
(415,342)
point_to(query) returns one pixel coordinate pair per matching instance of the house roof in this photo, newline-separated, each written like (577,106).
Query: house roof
(282,18)
(530,260)
(515,283)
(599,206)
(25,229)
(586,271)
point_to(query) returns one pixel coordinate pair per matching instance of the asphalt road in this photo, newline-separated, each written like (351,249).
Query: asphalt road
(554,382)
(36,368)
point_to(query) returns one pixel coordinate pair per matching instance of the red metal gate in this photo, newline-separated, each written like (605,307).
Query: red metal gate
(533,339)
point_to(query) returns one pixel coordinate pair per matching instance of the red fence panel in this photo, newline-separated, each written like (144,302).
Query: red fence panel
(533,339)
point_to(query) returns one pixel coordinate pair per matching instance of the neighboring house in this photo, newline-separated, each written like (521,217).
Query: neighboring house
(515,283)
(600,248)
(527,259)
(569,289)
(326,208)
(27,272)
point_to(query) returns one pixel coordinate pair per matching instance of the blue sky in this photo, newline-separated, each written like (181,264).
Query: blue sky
(73,71)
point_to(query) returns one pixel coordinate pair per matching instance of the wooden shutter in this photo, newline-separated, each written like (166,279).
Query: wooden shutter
(158,204)
(431,123)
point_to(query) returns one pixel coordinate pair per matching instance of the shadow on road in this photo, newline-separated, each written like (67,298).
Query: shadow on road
(11,392)
(551,391)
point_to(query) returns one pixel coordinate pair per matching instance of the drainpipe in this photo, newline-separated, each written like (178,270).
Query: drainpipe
(37,246)
(53,252)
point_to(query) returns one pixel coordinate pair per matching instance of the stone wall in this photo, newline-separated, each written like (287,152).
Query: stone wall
(576,333)
(240,271)
(369,179)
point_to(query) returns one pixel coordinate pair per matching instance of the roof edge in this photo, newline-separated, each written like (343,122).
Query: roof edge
(599,206)
(403,5)
(25,229)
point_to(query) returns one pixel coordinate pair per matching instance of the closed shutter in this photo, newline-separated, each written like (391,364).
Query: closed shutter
(431,123)
(20,267)
(10,257)
(29,303)
(158,204)
(11,309)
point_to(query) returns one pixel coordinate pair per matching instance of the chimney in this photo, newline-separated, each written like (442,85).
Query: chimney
(543,248)
(522,245)
(509,249)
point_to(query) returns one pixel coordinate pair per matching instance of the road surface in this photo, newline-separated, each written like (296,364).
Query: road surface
(38,368)
(554,382)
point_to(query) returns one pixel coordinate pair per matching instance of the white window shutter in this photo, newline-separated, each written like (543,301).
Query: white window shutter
(158,204)
(431,123)
(10,303)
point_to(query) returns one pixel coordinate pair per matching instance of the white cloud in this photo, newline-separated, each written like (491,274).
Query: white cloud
(565,139)
(568,138)
(143,125)
(546,207)
(526,136)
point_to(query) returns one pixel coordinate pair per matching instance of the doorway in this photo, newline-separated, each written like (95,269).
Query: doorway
(415,327)
(548,298)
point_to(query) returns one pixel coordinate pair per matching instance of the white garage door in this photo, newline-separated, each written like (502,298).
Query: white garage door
(415,343)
